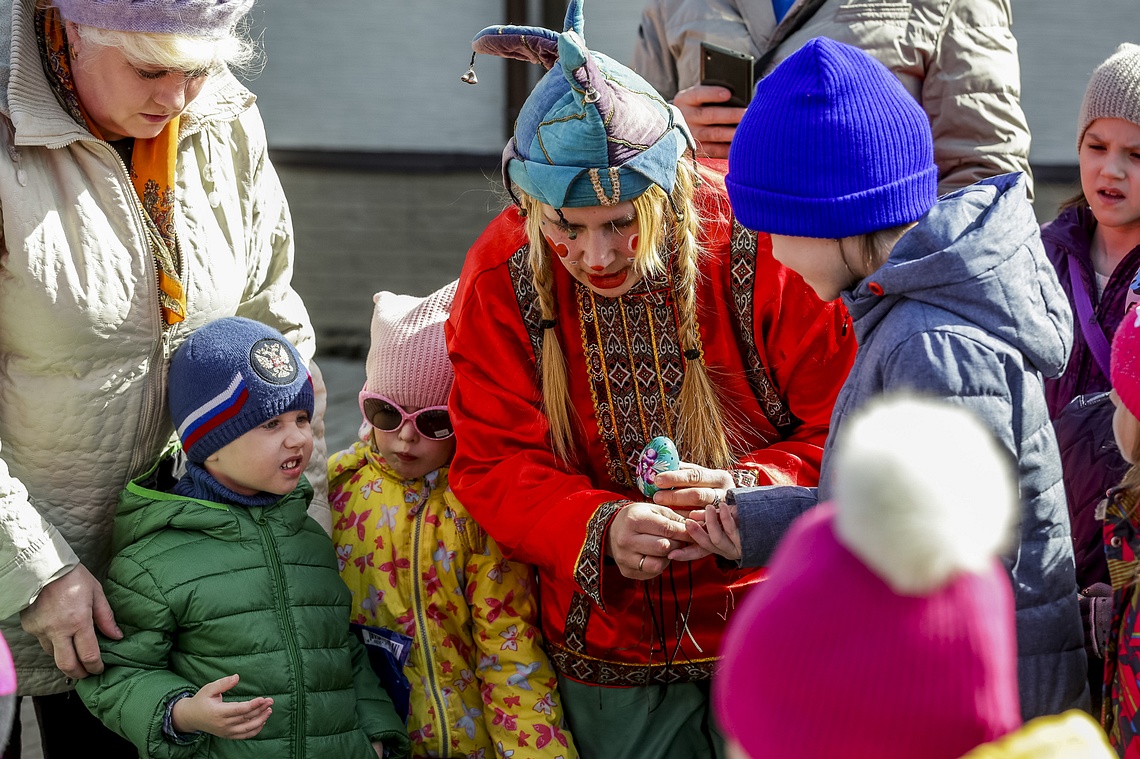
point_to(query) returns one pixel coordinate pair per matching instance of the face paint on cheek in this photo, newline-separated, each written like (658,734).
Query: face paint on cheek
(632,243)
(558,247)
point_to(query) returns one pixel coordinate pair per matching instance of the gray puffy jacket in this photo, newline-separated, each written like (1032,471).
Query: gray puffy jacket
(971,312)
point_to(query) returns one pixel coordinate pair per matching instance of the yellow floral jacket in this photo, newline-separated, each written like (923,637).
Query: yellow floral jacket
(1070,735)
(417,563)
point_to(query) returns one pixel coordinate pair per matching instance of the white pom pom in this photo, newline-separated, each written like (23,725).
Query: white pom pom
(923,492)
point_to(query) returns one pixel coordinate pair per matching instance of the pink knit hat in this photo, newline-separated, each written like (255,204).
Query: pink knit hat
(886,625)
(407,360)
(7,694)
(1126,362)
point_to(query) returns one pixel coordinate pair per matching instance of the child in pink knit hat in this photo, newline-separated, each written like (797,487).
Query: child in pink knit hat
(1121,708)
(885,629)
(7,694)
(428,584)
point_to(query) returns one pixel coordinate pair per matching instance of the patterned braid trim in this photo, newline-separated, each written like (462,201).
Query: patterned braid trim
(588,571)
(743,257)
(577,620)
(529,307)
(744,478)
(592,671)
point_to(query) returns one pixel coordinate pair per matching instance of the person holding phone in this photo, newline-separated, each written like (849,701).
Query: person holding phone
(730,69)
(971,92)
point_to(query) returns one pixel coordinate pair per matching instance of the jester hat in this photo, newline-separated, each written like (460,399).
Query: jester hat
(592,132)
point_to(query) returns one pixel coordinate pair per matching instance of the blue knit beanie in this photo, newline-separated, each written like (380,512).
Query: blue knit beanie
(592,132)
(831,146)
(229,377)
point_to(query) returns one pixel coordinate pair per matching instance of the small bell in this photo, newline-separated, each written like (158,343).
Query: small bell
(591,96)
(469,77)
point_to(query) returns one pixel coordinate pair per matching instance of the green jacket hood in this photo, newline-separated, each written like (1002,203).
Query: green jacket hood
(146,506)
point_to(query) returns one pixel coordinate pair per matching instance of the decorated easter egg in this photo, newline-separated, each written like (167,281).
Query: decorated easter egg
(660,455)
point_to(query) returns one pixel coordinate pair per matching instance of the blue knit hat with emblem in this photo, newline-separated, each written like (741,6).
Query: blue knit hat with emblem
(592,132)
(831,146)
(230,376)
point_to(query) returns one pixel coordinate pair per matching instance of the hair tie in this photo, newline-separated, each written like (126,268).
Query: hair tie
(548,324)
(692,354)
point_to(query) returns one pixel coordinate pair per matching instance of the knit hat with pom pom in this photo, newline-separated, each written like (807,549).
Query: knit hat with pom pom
(904,643)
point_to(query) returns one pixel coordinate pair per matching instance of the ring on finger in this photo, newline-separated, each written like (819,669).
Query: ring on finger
(715,500)
(641,563)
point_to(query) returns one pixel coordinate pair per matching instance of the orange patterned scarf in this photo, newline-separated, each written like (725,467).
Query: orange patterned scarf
(151,170)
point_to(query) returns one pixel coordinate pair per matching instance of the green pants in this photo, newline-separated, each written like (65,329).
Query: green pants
(646,722)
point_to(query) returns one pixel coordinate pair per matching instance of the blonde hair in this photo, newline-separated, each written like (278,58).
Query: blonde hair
(1130,483)
(699,425)
(873,248)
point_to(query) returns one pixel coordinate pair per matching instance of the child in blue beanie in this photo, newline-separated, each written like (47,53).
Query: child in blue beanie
(234,615)
(951,297)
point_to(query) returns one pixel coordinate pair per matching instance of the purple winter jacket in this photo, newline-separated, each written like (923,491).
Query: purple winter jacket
(1070,234)
(1089,459)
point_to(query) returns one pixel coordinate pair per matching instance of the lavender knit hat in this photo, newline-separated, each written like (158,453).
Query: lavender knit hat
(1113,91)
(592,132)
(212,19)
(407,360)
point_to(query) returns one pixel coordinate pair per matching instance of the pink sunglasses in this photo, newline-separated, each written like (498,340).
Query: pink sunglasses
(433,422)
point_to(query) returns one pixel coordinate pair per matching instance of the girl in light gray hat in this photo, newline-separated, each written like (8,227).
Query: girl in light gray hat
(1094,246)
(138,203)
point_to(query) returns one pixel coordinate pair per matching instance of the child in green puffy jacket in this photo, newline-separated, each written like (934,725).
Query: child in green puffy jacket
(234,615)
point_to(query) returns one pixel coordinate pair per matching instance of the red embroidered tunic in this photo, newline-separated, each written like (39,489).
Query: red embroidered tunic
(777,356)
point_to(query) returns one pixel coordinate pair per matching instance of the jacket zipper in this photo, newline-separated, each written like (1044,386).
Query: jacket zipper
(287,632)
(156,376)
(434,694)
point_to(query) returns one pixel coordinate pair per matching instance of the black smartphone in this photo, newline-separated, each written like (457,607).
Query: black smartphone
(728,68)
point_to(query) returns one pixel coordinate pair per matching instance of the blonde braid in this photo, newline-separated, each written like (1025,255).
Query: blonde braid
(555,388)
(700,422)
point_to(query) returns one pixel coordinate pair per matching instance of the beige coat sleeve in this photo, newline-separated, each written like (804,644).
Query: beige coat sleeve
(32,552)
(972,93)
(667,53)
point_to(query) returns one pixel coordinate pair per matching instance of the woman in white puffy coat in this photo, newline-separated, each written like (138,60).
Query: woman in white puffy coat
(137,202)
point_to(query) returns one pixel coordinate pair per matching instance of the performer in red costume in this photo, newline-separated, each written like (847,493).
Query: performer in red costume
(618,301)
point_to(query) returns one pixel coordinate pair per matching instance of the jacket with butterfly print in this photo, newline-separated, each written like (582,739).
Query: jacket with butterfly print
(416,562)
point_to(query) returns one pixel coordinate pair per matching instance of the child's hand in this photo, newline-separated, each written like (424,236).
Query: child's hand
(713,530)
(378,747)
(206,711)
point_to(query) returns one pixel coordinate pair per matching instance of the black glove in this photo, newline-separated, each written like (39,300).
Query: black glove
(1096,617)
